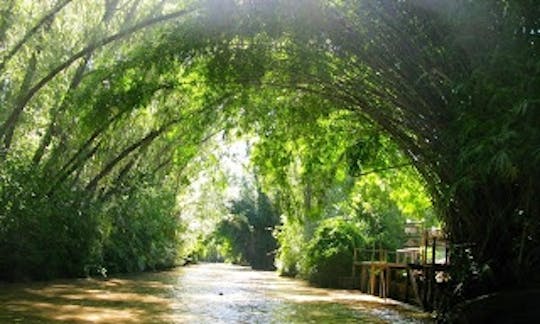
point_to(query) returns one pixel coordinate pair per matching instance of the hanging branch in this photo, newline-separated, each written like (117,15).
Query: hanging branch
(106,195)
(388,168)
(47,19)
(77,79)
(4,20)
(47,138)
(7,129)
(29,75)
(147,140)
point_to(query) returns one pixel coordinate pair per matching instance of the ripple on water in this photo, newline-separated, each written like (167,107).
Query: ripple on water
(205,293)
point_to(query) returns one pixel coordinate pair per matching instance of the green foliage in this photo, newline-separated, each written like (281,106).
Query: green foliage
(68,234)
(234,240)
(292,243)
(143,230)
(374,207)
(246,235)
(329,254)
(492,151)
(45,236)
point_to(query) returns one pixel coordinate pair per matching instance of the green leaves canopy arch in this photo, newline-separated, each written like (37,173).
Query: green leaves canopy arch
(455,86)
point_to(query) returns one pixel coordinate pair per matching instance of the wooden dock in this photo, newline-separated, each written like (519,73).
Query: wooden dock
(408,282)
(410,274)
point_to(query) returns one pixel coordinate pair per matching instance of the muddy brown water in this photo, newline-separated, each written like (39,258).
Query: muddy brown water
(204,293)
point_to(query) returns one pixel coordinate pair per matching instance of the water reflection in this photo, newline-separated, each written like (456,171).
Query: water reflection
(207,293)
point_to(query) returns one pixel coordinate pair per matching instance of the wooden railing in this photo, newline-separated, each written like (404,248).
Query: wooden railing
(382,271)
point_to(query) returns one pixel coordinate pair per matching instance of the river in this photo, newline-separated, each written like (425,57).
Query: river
(204,293)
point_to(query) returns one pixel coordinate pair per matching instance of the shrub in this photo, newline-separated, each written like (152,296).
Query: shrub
(43,236)
(143,231)
(292,243)
(330,252)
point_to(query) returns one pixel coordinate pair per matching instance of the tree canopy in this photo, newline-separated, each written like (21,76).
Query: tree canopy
(104,105)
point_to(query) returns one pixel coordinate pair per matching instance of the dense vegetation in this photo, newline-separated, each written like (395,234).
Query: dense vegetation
(329,254)
(243,233)
(365,110)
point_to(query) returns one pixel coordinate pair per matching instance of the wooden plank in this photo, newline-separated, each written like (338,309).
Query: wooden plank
(388,278)
(397,265)
(372,280)
(382,284)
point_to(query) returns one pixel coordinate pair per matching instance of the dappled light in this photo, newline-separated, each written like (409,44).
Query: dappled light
(85,300)
(202,293)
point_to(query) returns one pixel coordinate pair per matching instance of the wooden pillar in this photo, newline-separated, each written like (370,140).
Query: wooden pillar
(407,284)
(425,286)
(388,280)
(382,282)
(425,246)
(433,250)
(363,279)
(372,279)
(446,251)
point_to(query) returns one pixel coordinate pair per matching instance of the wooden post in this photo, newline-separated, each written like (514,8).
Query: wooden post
(431,288)
(407,284)
(363,279)
(372,279)
(433,250)
(414,286)
(425,246)
(425,285)
(446,251)
(382,283)
(388,278)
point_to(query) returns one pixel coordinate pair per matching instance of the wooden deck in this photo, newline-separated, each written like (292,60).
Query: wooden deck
(409,274)
(409,282)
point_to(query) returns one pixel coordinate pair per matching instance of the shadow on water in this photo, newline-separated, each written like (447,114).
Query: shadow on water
(215,293)
(116,300)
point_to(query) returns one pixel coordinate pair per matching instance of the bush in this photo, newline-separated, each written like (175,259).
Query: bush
(43,236)
(65,232)
(143,231)
(245,235)
(330,252)
(291,241)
